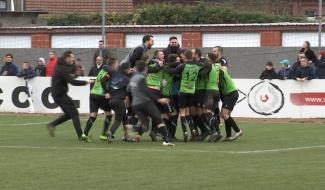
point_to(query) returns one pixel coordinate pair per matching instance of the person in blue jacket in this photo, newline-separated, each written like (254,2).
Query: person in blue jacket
(9,68)
(284,72)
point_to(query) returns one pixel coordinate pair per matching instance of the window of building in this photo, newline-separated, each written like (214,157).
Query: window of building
(3,5)
(310,13)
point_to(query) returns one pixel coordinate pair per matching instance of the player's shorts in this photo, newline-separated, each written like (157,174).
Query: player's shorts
(185,100)
(198,100)
(157,93)
(98,102)
(170,107)
(229,101)
(211,99)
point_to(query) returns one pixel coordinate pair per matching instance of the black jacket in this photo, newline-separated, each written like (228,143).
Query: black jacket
(27,73)
(9,69)
(303,72)
(269,74)
(320,68)
(61,77)
(106,54)
(172,50)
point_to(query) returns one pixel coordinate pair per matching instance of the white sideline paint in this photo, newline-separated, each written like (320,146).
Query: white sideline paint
(39,123)
(164,150)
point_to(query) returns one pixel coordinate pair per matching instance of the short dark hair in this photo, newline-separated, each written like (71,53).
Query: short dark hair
(146,37)
(213,57)
(101,41)
(173,38)
(9,55)
(52,51)
(157,51)
(188,54)
(220,49)
(140,66)
(172,58)
(67,54)
(111,61)
(198,52)
(181,52)
(269,63)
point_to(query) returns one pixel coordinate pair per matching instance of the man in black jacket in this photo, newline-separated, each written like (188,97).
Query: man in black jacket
(304,71)
(101,52)
(94,70)
(173,47)
(137,52)
(60,79)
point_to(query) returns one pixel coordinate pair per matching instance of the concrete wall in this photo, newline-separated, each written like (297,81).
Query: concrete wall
(244,62)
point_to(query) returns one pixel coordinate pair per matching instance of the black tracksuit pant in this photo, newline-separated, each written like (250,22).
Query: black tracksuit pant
(70,112)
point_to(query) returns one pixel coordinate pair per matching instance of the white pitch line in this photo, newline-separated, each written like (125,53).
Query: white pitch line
(170,149)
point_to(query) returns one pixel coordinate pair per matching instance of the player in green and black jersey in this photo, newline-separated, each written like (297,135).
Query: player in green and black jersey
(229,96)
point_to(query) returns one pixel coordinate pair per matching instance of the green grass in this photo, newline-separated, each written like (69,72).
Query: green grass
(65,163)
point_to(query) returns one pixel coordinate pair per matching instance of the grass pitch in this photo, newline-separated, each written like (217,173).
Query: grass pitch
(270,155)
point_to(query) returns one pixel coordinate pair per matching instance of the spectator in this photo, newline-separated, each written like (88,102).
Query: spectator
(136,53)
(308,52)
(218,50)
(96,68)
(284,72)
(173,47)
(304,71)
(269,72)
(320,65)
(40,69)
(9,68)
(80,70)
(102,52)
(27,71)
(51,63)
(296,65)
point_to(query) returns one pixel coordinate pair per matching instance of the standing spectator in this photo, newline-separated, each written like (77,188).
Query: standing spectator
(51,63)
(284,72)
(80,70)
(96,68)
(269,72)
(27,71)
(173,47)
(40,69)
(320,65)
(102,52)
(304,71)
(308,52)
(218,50)
(136,53)
(9,68)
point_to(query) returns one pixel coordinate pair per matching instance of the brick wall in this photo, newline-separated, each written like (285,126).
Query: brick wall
(57,7)
(41,40)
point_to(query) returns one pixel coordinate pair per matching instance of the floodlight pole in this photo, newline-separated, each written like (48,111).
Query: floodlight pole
(320,23)
(103,21)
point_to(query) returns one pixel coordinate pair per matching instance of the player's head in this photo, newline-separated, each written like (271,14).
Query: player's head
(159,54)
(306,45)
(148,40)
(218,50)
(172,58)
(182,55)
(99,60)
(188,55)
(113,63)
(68,57)
(212,57)
(141,66)
(197,54)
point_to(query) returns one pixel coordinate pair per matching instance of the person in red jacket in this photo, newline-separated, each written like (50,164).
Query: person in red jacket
(51,63)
